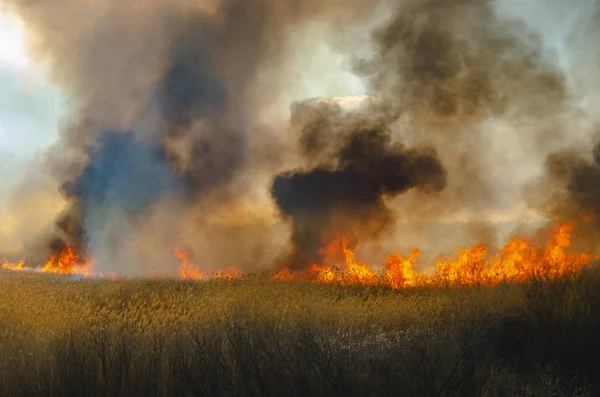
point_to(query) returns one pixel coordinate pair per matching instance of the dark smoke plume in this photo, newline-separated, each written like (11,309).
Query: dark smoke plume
(171,130)
(212,61)
(345,196)
(166,114)
(199,143)
(444,69)
(460,59)
(478,86)
(570,191)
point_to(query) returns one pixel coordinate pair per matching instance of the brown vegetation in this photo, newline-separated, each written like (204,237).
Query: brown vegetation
(259,337)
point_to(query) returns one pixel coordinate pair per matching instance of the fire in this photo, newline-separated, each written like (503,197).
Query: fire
(559,261)
(518,261)
(357,272)
(12,266)
(189,271)
(67,262)
(352,271)
(400,272)
(284,274)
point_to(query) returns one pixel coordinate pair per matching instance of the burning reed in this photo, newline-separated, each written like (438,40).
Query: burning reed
(519,261)
(190,126)
(260,337)
(196,150)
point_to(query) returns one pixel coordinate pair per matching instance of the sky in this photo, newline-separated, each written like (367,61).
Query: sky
(31,108)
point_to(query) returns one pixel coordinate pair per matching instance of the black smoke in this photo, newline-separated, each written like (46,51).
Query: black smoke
(460,59)
(577,176)
(569,191)
(176,81)
(172,100)
(212,60)
(347,195)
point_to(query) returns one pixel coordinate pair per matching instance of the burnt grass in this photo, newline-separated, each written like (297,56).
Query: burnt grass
(257,337)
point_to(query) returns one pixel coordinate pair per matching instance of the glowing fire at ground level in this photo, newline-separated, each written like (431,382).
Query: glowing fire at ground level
(518,261)
(66,263)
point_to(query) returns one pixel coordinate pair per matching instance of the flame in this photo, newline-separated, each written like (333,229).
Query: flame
(67,262)
(187,270)
(111,276)
(520,260)
(284,274)
(13,266)
(352,272)
(400,272)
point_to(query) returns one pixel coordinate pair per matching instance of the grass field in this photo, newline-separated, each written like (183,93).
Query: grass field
(258,337)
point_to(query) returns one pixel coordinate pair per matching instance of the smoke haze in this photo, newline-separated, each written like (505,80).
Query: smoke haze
(193,123)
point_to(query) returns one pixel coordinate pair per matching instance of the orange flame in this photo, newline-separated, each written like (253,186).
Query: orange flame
(13,266)
(400,272)
(229,273)
(67,262)
(284,274)
(518,261)
(187,271)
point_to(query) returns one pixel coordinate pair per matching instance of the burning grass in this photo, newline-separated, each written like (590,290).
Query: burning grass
(518,261)
(522,321)
(260,337)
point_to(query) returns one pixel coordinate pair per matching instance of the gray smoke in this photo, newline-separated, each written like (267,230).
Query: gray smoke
(175,133)
(166,126)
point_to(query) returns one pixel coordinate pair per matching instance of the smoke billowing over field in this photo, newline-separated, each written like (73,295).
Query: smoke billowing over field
(255,134)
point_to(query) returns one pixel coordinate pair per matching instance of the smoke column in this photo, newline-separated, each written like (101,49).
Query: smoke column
(176,131)
(345,196)
(165,128)
(476,103)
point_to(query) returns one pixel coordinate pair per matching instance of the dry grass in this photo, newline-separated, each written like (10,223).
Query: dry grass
(256,337)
